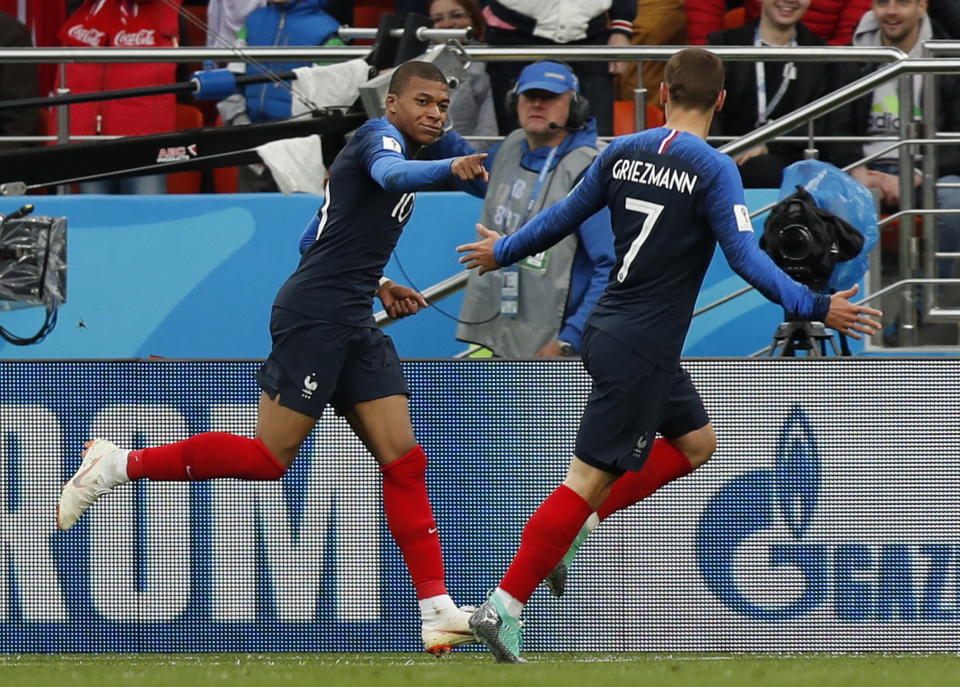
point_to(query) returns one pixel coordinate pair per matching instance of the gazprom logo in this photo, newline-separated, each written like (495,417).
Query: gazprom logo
(761,555)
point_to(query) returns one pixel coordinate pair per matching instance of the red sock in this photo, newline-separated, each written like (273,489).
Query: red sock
(411,522)
(546,538)
(203,456)
(664,464)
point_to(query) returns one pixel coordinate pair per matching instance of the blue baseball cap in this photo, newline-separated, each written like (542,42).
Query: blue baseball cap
(547,76)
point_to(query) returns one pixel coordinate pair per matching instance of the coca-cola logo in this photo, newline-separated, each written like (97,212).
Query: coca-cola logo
(126,39)
(89,36)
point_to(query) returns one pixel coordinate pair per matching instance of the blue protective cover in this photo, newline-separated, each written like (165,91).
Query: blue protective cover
(214,84)
(836,191)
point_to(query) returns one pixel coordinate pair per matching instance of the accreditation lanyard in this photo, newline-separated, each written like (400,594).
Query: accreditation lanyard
(789,73)
(510,274)
(538,185)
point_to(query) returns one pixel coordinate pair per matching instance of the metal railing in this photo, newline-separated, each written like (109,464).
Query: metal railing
(423,33)
(341,53)
(637,54)
(481,54)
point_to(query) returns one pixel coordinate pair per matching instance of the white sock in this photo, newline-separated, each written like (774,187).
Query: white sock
(592,522)
(514,607)
(118,468)
(435,606)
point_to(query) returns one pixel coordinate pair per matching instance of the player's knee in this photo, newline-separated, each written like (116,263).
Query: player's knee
(410,465)
(700,446)
(700,458)
(590,483)
(284,450)
(706,452)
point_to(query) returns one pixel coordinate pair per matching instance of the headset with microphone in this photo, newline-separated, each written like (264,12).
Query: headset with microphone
(554,125)
(579,106)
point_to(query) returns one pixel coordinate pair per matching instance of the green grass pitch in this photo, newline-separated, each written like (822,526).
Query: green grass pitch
(469,669)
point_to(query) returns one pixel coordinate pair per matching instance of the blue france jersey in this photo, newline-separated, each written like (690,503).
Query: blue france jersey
(672,197)
(368,200)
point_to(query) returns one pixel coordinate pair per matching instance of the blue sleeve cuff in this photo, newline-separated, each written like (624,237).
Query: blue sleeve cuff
(499,250)
(571,335)
(821,306)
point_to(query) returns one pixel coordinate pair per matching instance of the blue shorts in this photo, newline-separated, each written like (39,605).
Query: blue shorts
(314,363)
(630,402)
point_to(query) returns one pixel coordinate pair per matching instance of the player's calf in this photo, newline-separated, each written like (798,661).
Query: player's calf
(204,456)
(668,461)
(556,580)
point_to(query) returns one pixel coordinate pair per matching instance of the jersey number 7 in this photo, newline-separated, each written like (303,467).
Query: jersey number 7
(652,212)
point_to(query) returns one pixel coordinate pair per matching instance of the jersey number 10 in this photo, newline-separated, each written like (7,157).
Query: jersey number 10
(652,212)
(403,208)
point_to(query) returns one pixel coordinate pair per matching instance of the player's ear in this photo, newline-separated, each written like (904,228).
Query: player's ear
(721,99)
(664,94)
(391,102)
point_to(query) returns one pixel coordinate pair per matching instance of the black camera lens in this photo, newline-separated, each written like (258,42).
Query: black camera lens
(796,242)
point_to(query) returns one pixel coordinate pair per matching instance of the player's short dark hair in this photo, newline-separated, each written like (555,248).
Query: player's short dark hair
(695,79)
(408,70)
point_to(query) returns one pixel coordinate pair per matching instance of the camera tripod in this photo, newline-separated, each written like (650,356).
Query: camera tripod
(797,335)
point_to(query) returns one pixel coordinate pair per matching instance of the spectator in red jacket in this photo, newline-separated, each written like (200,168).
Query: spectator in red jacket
(831,20)
(122,24)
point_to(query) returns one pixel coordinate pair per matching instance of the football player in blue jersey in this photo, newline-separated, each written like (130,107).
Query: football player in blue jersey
(327,348)
(672,198)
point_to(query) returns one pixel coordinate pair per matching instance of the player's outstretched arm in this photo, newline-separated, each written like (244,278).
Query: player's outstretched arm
(453,145)
(398,175)
(480,254)
(400,301)
(730,221)
(848,318)
(548,227)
